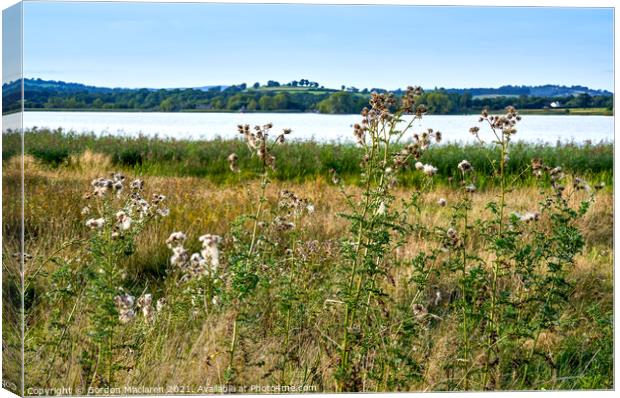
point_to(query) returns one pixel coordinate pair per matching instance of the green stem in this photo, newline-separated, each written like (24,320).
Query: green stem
(233,344)
(494,315)
(258,210)
(464,304)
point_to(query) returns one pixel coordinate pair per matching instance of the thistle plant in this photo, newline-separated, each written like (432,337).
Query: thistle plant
(377,228)
(519,248)
(117,219)
(197,274)
(248,260)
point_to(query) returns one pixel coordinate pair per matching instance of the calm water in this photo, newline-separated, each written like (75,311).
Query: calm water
(305,125)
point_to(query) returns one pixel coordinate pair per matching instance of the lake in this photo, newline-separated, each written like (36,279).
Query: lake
(533,128)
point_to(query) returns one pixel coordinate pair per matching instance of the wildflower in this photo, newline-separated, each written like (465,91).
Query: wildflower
(145,303)
(137,185)
(465,166)
(420,110)
(157,198)
(283,225)
(126,316)
(163,212)
(442,202)
(197,263)
(160,304)
(102,182)
(176,239)
(471,188)
(85,210)
(143,206)
(555,171)
(95,223)
(580,184)
(453,237)
(271,161)
(359,133)
(232,163)
(210,250)
(537,164)
(123,220)
(124,305)
(419,165)
(310,208)
(556,174)
(101,186)
(429,170)
(530,216)
(179,256)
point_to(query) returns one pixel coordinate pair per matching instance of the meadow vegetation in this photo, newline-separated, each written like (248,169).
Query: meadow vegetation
(396,264)
(298,161)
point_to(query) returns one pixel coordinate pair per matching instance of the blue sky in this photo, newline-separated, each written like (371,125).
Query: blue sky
(188,45)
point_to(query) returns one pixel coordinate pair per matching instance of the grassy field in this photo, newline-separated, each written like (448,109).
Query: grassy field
(291,89)
(190,349)
(447,274)
(570,111)
(298,161)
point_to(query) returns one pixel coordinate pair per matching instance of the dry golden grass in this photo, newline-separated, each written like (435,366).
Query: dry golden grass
(196,354)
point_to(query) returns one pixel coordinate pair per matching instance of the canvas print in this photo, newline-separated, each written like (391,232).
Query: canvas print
(206,198)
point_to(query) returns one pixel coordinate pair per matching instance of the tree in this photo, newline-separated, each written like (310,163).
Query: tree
(252,105)
(438,102)
(465,101)
(280,101)
(266,103)
(166,105)
(342,102)
(583,101)
(256,85)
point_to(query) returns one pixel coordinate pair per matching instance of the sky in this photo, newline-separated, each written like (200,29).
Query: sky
(189,45)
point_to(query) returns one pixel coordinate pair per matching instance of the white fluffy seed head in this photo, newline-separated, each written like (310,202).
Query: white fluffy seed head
(95,223)
(176,239)
(429,170)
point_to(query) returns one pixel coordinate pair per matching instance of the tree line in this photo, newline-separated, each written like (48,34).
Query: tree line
(296,96)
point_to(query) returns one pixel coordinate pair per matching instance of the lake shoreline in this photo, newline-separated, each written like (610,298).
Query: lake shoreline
(537,112)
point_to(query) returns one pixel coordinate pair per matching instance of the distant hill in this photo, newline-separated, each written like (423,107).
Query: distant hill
(296,96)
(548,90)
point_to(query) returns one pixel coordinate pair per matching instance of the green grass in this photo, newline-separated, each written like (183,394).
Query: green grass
(297,161)
(293,90)
(569,111)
